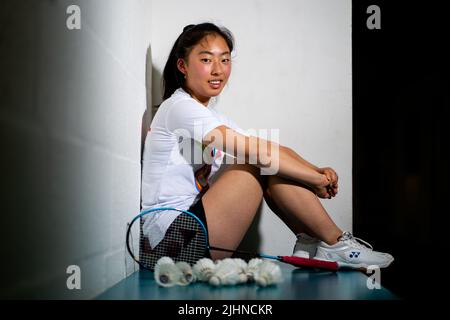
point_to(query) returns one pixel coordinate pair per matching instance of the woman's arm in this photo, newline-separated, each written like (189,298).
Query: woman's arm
(267,154)
(299,158)
(327,171)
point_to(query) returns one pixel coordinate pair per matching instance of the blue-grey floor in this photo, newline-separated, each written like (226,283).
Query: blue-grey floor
(297,284)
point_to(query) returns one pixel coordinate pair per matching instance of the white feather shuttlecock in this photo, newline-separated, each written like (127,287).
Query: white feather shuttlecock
(253,268)
(203,269)
(268,273)
(187,273)
(242,267)
(167,273)
(226,273)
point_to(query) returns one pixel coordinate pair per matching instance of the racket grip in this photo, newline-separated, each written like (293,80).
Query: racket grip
(313,263)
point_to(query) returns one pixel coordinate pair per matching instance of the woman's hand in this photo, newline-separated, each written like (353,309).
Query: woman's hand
(321,188)
(332,177)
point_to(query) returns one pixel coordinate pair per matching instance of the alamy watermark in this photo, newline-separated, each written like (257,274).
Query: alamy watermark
(374,20)
(73,21)
(374,280)
(74,280)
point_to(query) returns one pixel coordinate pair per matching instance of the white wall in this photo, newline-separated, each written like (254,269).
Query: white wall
(292,71)
(71,112)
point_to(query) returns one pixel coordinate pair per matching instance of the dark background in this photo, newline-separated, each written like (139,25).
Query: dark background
(400,127)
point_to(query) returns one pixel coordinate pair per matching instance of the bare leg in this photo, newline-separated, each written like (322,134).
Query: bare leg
(230,205)
(300,209)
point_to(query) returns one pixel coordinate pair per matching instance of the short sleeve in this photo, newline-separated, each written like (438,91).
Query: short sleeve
(191,120)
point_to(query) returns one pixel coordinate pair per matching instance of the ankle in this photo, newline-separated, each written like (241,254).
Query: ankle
(332,239)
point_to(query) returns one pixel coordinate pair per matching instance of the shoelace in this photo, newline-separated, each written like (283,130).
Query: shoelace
(347,236)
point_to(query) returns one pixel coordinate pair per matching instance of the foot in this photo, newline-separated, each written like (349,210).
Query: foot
(306,246)
(353,253)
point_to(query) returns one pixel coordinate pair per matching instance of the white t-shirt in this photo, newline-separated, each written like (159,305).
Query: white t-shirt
(172,155)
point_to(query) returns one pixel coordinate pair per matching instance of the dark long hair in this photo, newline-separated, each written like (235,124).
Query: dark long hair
(191,35)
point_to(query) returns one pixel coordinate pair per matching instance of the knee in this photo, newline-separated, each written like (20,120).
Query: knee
(247,168)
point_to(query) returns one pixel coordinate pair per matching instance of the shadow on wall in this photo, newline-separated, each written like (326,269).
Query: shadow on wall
(157,87)
(153,94)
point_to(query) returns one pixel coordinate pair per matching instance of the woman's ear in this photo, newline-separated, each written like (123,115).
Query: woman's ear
(181,65)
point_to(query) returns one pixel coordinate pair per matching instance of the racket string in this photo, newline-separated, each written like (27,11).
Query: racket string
(183,241)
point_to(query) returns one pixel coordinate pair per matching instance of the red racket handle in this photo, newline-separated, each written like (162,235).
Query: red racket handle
(313,263)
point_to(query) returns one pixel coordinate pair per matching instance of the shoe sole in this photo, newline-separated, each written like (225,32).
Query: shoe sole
(356,266)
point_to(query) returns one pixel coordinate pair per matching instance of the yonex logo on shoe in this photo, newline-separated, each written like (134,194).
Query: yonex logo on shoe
(354,254)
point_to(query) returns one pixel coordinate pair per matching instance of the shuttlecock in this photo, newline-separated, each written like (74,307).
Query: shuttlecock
(187,274)
(167,274)
(252,268)
(242,269)
(225,273)
(268,274)
(203,269)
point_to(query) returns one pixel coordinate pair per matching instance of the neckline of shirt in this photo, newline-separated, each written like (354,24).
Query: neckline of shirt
(212,101)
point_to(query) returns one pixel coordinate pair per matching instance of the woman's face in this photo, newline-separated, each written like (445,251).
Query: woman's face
(207,68)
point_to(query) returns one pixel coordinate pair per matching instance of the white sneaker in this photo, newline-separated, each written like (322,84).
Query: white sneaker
(349,252)
(306,246)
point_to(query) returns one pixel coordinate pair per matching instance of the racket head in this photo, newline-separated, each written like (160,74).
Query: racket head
(186,239)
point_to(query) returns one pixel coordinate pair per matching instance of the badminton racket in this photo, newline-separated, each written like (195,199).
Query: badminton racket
(187,240)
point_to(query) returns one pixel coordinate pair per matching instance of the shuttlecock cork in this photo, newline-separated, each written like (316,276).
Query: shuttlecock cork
(167,274)
(187,273)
